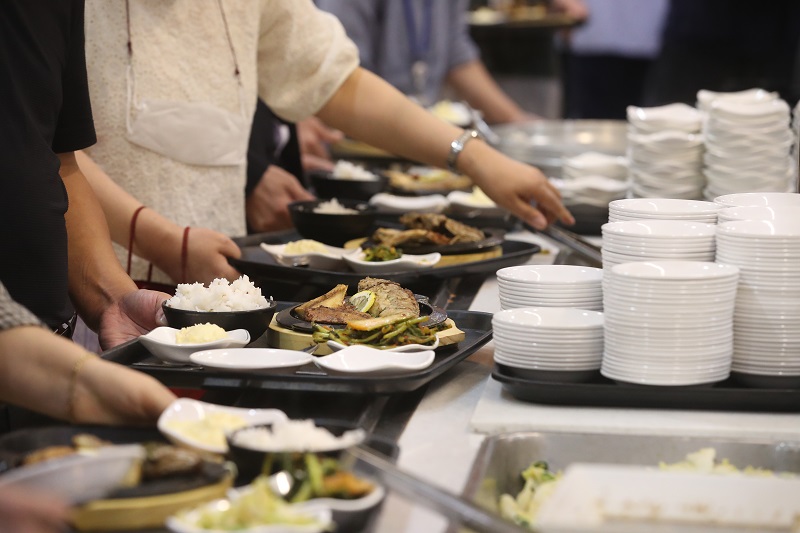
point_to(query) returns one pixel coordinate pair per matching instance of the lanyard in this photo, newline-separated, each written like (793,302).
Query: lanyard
(419,44)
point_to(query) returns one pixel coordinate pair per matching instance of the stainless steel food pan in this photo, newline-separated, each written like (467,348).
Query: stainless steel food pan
(546,143)
(502,458)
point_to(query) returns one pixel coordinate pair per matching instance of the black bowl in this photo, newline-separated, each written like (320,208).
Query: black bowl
(250,463)
(332,229)
(255,321)
(328,186)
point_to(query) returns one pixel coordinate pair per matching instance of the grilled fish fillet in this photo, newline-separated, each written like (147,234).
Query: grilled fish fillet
(390,298)
(335,315)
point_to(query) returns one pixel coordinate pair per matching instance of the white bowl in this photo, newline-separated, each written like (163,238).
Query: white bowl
(405,263)
(676,270)
(323,261)
(366,360)
(672,116)
(80,477)
(161,343)
(665,206)
(771,199)
(391,203)
(549,317)
(758,213)
(551,274)
(185,411)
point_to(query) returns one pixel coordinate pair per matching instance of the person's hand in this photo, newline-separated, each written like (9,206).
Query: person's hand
(314,137)
(267,206)
(134,314)
(515,185)
(207,257)
(27,511)
(111,394)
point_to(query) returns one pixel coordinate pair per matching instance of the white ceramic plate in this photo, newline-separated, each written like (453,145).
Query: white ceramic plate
(79,477)
(336,346)
(250,358)
(405,263)
(363,360)
(322,261)
(185,410)
(161,343)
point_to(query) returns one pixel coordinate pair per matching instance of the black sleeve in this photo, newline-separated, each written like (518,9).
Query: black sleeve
(75,129)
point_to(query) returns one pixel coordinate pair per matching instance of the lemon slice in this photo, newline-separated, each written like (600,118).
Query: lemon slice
(363,300)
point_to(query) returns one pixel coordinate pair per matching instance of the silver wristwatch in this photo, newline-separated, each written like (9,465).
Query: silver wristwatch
(457,146)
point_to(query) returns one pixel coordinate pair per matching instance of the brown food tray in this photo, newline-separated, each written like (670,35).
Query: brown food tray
(477,328)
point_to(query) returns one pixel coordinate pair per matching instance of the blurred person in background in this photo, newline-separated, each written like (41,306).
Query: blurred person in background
(726,45)
(174,89)
(607,59)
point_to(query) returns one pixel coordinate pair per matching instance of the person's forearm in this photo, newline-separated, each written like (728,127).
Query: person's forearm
(30,376)
(96,279)
(475,85)
(157,238)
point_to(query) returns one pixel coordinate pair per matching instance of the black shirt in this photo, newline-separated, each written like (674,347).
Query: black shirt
(44,110)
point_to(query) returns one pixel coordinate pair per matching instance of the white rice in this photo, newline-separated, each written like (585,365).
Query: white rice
(220,295)
(346,170)
(295,436)
(333,207)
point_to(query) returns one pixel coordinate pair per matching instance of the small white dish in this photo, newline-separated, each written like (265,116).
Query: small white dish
(365,360)
(336,346)
(476,202)
(405,263)
(323,261)
(161,343)
(185,411)
(79,477)
(250,358)
(392,203)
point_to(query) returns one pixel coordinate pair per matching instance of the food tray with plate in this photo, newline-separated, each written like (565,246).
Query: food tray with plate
(477,328)
(263,270)
(728,395)
(501,458)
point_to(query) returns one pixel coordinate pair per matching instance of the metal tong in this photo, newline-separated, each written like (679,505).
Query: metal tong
(591,253)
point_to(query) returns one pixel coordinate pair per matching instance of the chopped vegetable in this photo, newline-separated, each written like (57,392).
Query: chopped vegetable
(386,332)
(381,252)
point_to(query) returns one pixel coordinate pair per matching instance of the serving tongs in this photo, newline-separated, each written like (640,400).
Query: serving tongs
(454,507)
(577,244)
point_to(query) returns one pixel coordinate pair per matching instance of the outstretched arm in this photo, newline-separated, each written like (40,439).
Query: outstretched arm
(367,108)
(474,84)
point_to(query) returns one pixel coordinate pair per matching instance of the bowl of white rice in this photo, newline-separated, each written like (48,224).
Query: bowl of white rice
(230,305)
(348,180)
(333,221)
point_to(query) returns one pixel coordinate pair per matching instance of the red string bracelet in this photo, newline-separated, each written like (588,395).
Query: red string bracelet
(184,253)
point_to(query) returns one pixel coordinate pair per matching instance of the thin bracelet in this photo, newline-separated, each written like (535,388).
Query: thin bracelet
(457,146)
(184,253)
(73,383)
(131,234)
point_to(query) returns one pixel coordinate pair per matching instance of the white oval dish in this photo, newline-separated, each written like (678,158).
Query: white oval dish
(161,343)
(363,359)
(189,410)
(319,260)
(392,203)
(336,346)
(405,263)
(187,523)
(250,358)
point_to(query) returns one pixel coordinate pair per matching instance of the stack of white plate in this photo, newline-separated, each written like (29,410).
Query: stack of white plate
(651,240)
(550,286)
(763,199)
(666,164)
(663,209)
(595,164)
(767,316)
(706,98)
(669,322)
(748,145)
(549,342)
(590,190)
(729,214)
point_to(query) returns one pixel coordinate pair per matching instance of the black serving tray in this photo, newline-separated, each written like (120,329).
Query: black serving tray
(728,395)
(263,269)
(476,326)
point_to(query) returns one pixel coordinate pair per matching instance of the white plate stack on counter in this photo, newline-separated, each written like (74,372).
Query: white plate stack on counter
(649,240)
(669,323)
(593,178)
(663,209)
(748,143)
(767,315)
(665,151)
(549,343)
(550,286)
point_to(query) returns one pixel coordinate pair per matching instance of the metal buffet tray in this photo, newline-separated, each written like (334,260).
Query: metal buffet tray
(503,457)
(476,326)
